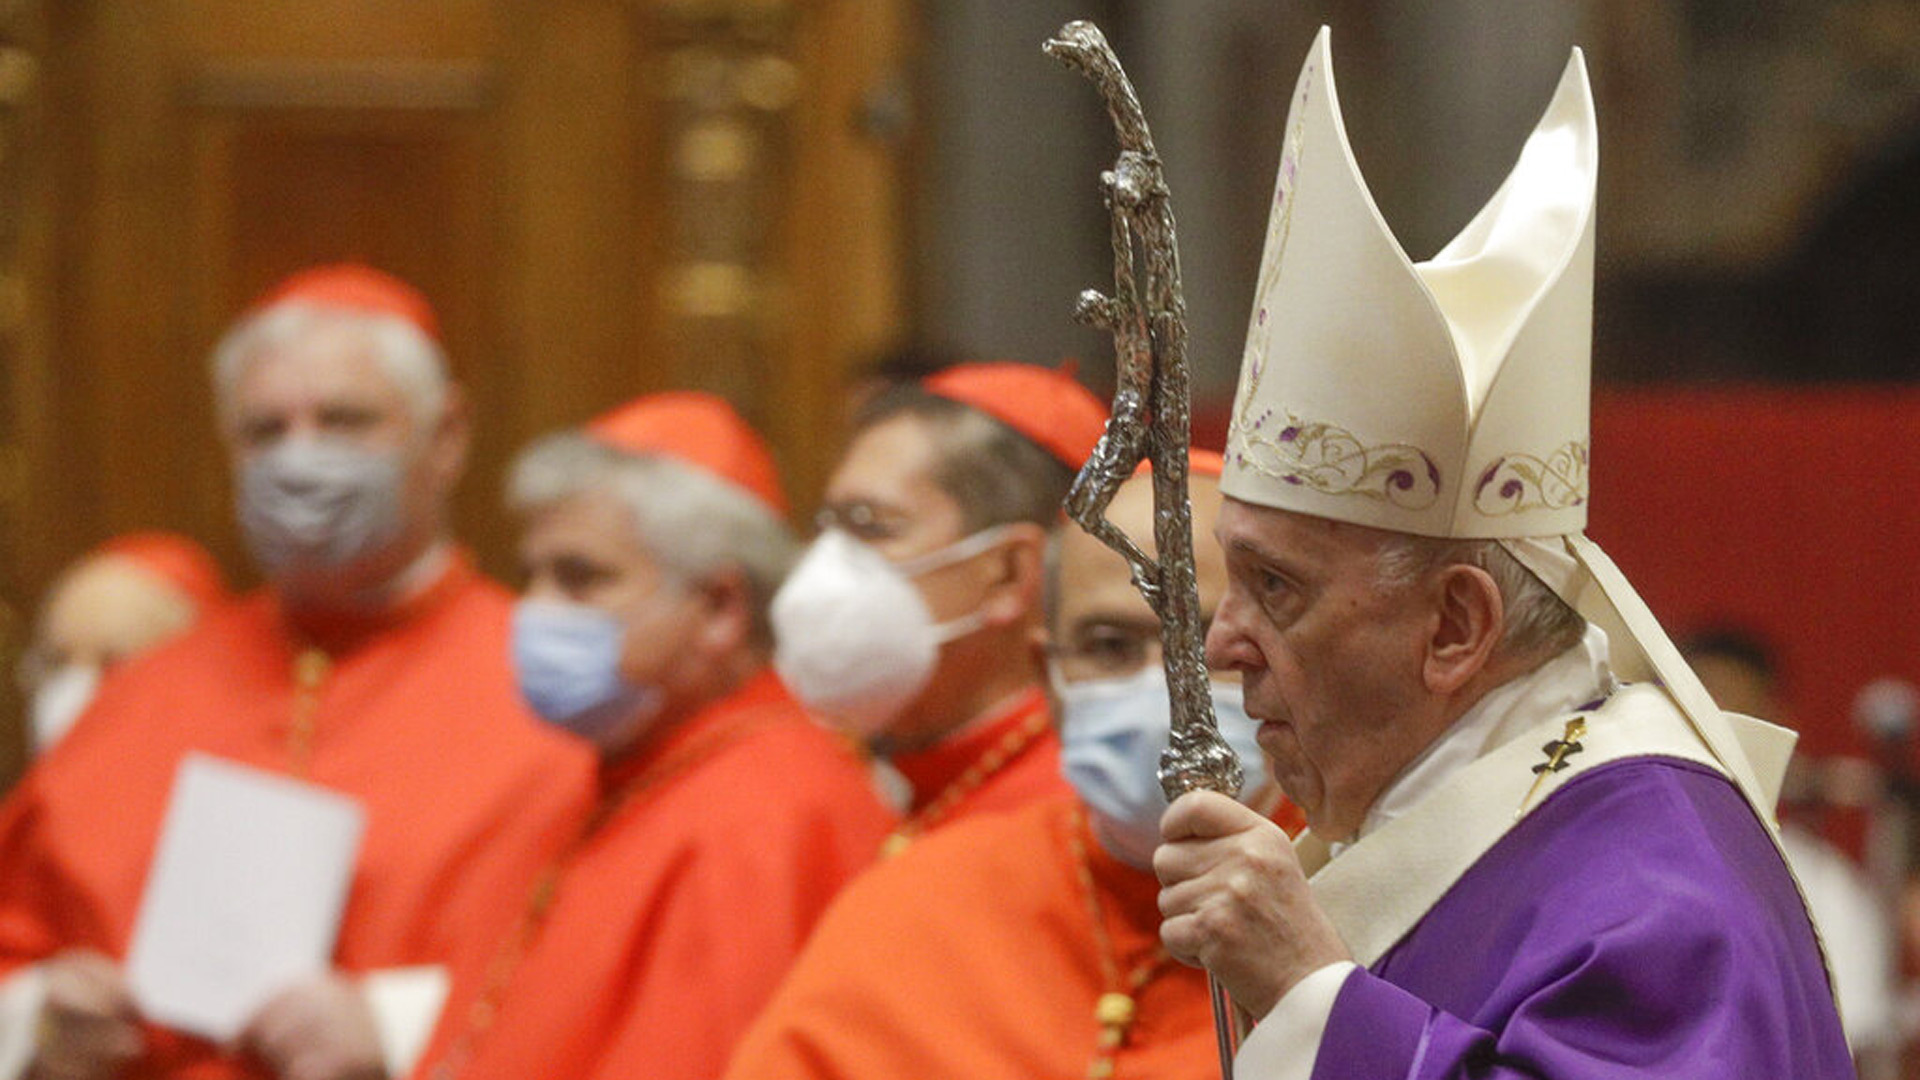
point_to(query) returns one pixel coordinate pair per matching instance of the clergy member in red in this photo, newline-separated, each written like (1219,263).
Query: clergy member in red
(727,818)
(1025,946)
(126,596)
(910,621)
(373,663)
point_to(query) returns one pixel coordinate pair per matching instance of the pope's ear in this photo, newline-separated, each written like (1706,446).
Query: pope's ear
(1469,618)
(1013,590)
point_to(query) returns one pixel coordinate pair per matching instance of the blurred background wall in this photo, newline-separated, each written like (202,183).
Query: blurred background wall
(762,197)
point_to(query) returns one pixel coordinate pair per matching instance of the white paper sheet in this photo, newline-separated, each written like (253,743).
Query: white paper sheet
(244,895)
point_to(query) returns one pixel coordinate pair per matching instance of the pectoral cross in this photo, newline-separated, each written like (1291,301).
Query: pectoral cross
(1557,751)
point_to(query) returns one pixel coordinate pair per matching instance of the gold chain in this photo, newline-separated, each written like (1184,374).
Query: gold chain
(310,670)
(533,916)
(1116,1008)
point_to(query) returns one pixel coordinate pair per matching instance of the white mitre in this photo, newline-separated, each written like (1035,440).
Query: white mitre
(1450,398)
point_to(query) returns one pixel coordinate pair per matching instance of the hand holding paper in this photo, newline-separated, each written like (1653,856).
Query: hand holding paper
(319,1029)
(87,1028)
(244,896)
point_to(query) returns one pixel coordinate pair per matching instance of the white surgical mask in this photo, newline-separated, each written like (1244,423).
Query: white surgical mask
(854,639)
(1111,734)
(59,701)
(318,504)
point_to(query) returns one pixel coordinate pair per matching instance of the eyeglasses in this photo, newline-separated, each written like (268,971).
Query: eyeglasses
(863,521)
(1106,650)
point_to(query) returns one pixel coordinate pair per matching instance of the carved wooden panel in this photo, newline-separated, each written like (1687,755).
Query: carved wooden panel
(23,353)
(602,197)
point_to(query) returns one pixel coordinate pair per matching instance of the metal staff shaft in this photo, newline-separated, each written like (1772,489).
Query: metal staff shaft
(1150,421)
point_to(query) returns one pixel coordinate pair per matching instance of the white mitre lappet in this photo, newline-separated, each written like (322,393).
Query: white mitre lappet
(1450,398)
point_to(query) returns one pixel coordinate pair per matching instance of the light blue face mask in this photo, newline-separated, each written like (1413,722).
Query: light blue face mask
(1111,734)
(566,658)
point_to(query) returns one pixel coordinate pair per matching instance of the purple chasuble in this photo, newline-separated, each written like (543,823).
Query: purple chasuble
(1638,924)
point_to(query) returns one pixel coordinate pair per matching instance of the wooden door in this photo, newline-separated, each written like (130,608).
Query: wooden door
(601,197)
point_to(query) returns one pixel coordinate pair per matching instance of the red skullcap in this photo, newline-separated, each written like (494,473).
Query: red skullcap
(173,558)
(696,429)
(358,288)
(1047,406)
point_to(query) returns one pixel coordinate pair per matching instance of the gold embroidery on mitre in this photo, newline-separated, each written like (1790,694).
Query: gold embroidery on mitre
(1290,154)
(1516,483)
(1320,456)
(1330,459)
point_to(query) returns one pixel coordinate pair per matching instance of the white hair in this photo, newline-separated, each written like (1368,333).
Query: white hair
(1539,623)
(692,523)
(410,358)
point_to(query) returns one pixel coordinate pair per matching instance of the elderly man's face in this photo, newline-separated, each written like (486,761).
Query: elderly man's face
(1331,662)
(328,384)
(586,550)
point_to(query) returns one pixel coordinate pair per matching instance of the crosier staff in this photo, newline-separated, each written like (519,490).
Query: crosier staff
(1150,421)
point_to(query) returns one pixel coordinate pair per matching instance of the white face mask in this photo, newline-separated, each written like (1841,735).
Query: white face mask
(1111,734)
(60,700)
(319,504)
(854,640)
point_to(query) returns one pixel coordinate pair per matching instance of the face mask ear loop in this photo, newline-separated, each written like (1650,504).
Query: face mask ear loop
(959,551)
(954,629)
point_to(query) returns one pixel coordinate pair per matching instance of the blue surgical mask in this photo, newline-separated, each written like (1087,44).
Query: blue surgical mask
(1112,732)
(567,660)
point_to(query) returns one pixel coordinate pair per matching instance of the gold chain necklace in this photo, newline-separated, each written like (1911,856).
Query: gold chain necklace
(533,916)
(984,768)
(1116,1008)
(310,670)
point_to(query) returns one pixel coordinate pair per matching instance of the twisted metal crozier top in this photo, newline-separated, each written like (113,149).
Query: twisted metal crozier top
(1147,317)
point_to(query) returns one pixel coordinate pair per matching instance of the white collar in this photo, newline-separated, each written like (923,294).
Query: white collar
(1576,677)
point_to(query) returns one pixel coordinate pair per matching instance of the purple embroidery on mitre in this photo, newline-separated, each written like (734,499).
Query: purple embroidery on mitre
(1333,461)
(1517,483)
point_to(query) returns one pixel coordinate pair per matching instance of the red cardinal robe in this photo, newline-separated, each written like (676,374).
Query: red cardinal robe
(974,956)
(414,714)
(675,918)
(1002,763)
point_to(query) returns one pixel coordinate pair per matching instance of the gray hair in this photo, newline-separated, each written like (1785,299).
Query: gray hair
(413,360)
(692,523)
(1539,623)
(997,475)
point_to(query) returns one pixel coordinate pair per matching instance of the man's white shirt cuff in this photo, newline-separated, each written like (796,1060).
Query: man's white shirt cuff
(406,1004)
(1284,1043)
(22,995)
